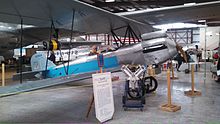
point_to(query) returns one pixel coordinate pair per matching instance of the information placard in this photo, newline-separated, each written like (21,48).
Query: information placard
(103,96)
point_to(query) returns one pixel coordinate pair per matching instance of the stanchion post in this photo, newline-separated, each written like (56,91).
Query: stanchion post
(192,78)
(168,88)
(3,74)
(173,76)
(169,106)
(192,92)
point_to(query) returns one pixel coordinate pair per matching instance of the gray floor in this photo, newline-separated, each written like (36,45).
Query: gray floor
(69,103)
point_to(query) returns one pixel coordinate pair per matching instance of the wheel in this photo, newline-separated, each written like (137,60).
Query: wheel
(137,93)
(134,93)
(150,84)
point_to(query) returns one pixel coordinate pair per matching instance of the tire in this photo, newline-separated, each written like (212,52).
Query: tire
(150,84)
(137,93)
(134,93)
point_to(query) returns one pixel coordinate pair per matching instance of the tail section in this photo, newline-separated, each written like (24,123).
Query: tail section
(38,62)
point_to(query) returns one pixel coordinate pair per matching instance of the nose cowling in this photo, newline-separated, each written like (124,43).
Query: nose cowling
(157,48)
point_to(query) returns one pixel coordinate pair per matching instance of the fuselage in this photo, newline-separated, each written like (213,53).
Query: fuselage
(148,52)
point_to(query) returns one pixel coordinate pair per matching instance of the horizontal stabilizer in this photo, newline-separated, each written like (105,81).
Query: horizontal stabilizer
(26,75)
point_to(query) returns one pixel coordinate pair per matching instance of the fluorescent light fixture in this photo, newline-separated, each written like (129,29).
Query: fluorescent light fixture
(109,0)
(129,10)
(176,26)
(202,20)
(189,4)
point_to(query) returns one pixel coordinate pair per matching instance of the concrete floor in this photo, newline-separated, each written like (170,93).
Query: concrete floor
(69,103)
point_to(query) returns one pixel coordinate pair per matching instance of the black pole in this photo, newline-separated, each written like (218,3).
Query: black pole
(117,37)
(114,38)
(109,40)
(45,74)
(71,37)
(129,36)
(21,44)
(134,34)
(126,35)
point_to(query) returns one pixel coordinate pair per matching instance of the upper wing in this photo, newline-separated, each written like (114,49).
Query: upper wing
(87,19)
(183,13)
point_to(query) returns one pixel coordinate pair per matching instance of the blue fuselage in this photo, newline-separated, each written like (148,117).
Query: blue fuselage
(89,66)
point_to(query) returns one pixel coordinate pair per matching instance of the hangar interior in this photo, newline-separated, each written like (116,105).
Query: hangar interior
(110,61)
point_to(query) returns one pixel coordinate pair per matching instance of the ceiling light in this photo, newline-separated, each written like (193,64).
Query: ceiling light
(202,20)
(176,26)
(109,0)
(189,4)
(129,10)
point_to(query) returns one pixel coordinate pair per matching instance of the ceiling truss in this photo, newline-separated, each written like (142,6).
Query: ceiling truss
(133,5)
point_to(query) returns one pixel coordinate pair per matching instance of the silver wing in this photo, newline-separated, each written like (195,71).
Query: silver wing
(41,13)
(87,19)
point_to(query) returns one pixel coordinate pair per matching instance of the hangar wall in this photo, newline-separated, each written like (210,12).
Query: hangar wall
(212,36)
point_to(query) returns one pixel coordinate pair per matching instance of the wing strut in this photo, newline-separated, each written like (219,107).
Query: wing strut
(55,36)
(50,37)
(21,45)
(129,33)
(71,37)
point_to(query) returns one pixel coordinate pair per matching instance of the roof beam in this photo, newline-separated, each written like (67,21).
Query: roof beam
(148,3)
